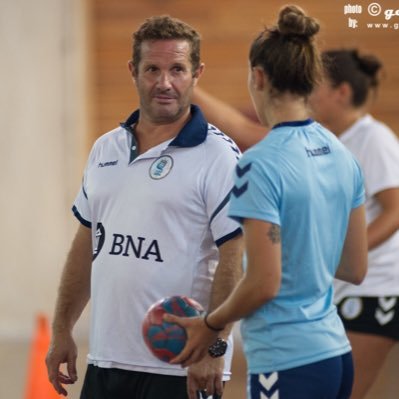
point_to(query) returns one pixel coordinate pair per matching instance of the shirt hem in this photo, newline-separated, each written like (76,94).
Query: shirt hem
(145,369)
(298,363)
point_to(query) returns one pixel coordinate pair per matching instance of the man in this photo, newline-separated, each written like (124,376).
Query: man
(153,219)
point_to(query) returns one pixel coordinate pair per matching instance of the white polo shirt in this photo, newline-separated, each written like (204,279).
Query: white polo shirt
(377,149)
(157,220)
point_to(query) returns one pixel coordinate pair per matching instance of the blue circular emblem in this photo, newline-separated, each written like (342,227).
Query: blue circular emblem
(161,167)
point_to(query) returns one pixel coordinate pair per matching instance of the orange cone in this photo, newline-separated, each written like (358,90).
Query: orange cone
(38,385)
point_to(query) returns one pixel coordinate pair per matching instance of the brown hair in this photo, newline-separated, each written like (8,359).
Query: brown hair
(359,71)
(165,27)
(287,52)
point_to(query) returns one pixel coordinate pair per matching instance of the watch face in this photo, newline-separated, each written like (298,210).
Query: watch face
(218,348)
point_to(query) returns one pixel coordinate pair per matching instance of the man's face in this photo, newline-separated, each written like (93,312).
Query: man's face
(165,80)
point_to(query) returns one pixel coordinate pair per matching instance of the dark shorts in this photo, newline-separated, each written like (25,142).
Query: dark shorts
(103,383)
(327,379)
(371,315)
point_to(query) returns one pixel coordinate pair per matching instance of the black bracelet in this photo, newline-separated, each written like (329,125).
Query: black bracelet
(209,326)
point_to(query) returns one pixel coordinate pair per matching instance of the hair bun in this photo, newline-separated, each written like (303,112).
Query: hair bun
(368,64)
(294,22)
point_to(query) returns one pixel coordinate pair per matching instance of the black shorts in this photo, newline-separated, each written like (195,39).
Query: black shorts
(371,315)
(104,383)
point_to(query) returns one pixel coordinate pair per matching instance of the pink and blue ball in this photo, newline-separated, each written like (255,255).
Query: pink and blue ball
(167,340)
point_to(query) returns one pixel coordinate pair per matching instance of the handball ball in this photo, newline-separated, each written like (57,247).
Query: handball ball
(167,340)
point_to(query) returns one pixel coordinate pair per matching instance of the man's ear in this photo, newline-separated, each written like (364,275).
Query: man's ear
(132,69)
(197,74)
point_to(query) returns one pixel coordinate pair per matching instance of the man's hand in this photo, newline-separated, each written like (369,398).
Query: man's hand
(205,376)
(62,350)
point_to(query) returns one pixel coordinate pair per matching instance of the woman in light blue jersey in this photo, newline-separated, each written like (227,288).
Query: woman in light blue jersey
(299,195)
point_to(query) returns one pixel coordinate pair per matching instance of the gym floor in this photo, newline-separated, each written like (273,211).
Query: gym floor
(14,361)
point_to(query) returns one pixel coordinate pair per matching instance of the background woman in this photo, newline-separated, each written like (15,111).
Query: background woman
(370,312)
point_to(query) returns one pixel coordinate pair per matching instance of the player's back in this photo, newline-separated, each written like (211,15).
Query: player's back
(307,183)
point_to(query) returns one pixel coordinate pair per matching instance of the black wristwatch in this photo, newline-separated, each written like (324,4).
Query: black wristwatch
(218,348)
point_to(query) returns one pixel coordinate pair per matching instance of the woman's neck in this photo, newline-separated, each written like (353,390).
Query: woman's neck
(287,108)
(346,119)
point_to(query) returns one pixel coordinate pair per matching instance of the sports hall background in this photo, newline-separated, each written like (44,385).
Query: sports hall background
(64,81)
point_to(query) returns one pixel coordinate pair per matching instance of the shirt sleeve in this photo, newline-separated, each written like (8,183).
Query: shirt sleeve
(359,193)
(381,165)
(81,205)
(256,193)
(221,161)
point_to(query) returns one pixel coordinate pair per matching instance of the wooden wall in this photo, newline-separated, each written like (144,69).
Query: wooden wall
(227,27)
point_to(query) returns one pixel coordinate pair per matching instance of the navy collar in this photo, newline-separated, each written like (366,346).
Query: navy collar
(294,123)
(194,132)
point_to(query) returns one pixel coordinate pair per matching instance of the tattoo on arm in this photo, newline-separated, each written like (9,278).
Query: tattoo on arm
(274,234)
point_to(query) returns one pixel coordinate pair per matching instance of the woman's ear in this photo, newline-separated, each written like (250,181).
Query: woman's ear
(345,93)
(258,78)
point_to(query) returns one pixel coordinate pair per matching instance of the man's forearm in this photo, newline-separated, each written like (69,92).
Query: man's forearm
(227,275)
(74,290)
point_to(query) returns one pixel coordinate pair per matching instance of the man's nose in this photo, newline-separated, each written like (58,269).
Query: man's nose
(164,80)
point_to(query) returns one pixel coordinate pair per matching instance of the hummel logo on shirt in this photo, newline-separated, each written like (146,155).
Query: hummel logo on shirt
(314,152)
(238,191)
(109,163)
(242,171)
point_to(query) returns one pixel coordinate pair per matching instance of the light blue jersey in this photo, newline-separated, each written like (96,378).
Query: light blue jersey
(303,179)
